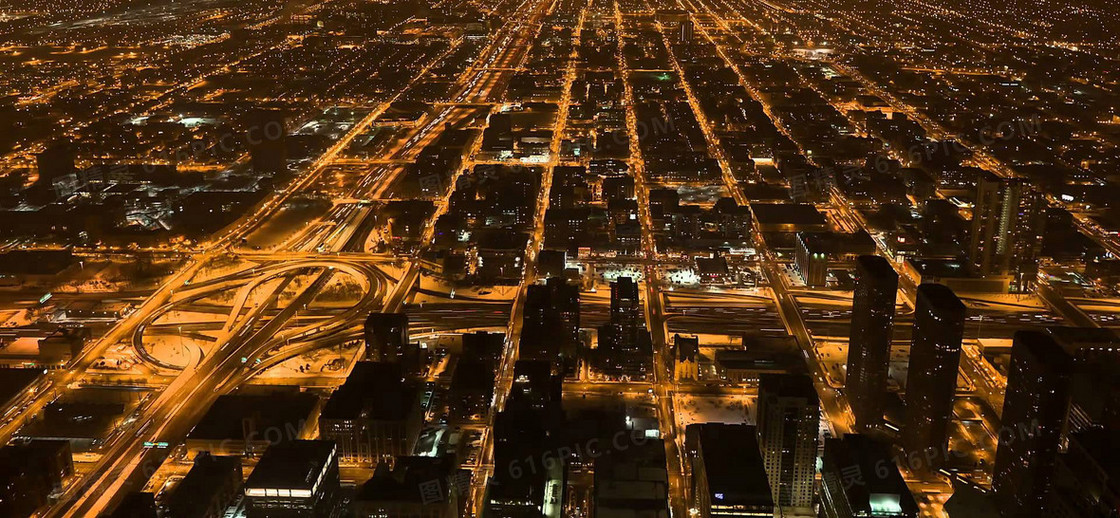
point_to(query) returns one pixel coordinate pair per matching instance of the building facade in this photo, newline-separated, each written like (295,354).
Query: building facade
(931,381)
(869,347)
(788,430)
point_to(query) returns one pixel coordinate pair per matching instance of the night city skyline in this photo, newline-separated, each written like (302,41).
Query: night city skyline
(559,259)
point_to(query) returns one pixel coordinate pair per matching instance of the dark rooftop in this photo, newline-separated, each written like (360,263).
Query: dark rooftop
(408,476)
(787,214)
(232,416)
(207,476)
(1045,351)
(877,266)
(292,465)
(860,454)
(733,464)
(941,297)
(375,389)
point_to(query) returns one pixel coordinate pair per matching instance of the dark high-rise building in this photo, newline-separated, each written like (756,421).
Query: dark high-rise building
(624,349)
(815,250)
(237,423)
(524,430)
(618,187)
(729,477)
(1095,384)
(471,393)
(626,304)
(534,382)
(550,328)
(211,486)
(788,426)
(375,415)
(296,479)
(498,135)
(859,478)
(386,337)
(931,381)
(942,222)
(30,472)
(502,123)
(632,481)
(869,347)
(407,490)
(481,345)
(266,137)
(985,229)
(56,161)
(1087,477)
(1007,227)
(970,501)
(1034,415)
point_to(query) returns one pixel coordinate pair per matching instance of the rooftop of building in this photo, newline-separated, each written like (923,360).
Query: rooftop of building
(208,475)
(241,416)
(941,297)
(788,214)
(862,455)
(375,391)
(292,465)
(733,465)
(408,478)
(877,266)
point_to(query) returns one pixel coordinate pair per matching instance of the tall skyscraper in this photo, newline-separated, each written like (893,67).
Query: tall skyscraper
(869,347)
(1007,226)
(859,478)
(624,346)
(626,306)
(931,381)
(1034,414)
(985,222)
(788,426)
(550,328)
(1094,386)
(1087,476)
(294,478)
(386,337)
(729,478)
